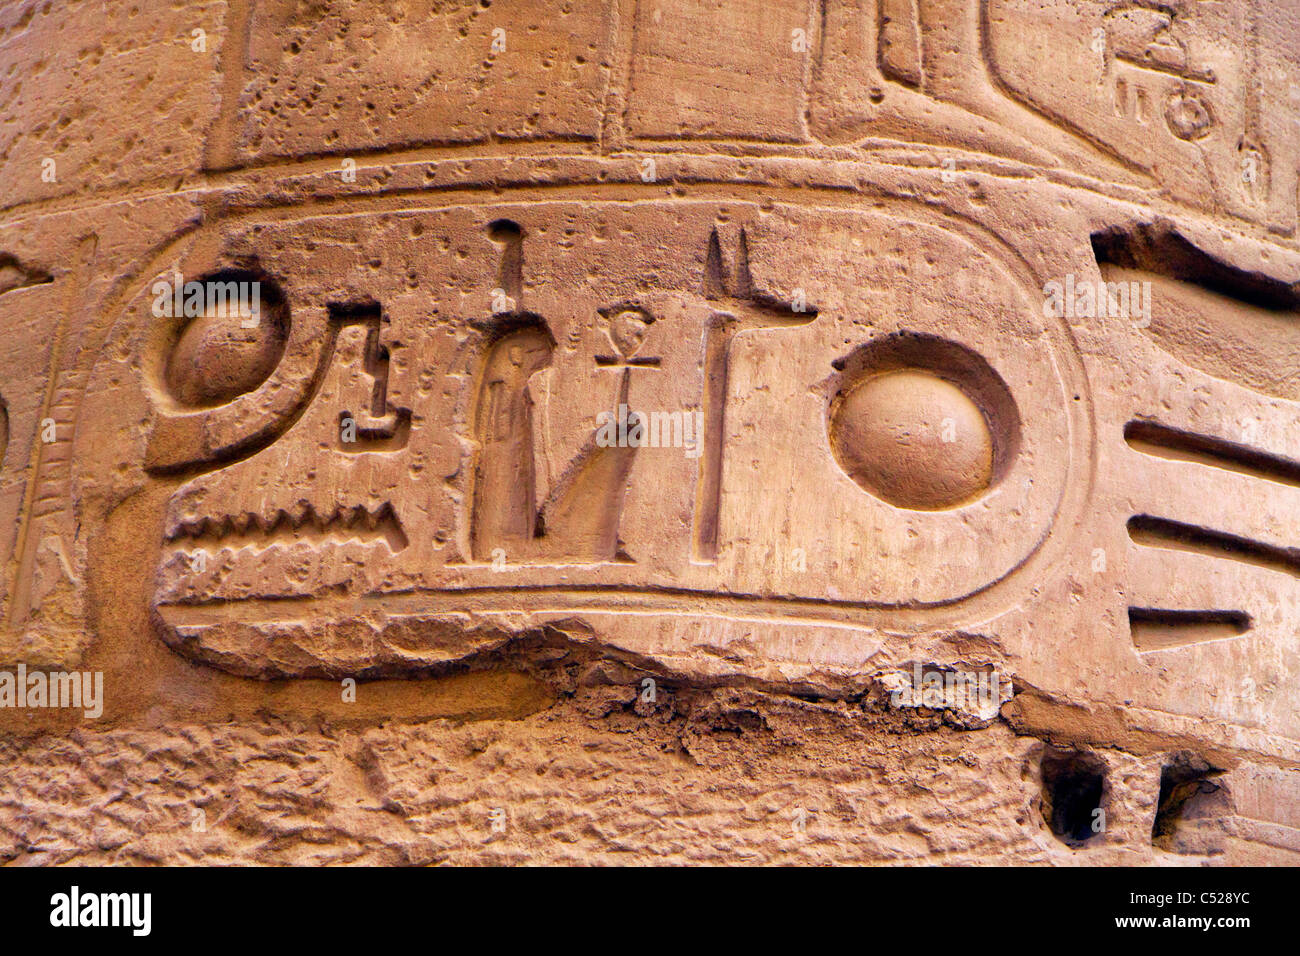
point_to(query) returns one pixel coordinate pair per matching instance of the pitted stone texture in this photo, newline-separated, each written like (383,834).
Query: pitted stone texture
(735,780)
(110,94)
(353,76)
(1069,229)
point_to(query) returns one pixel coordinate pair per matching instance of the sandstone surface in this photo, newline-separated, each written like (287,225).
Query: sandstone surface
(639,431)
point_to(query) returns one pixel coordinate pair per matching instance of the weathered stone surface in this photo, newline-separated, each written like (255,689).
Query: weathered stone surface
(657,430)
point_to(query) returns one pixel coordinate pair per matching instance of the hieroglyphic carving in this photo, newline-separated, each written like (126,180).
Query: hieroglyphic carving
(921,71)
(1175,88)
(740,309)
(899,41)
(579,520)
(41,559)
(375,425)
(404,475)
(1211,316)
(525,486)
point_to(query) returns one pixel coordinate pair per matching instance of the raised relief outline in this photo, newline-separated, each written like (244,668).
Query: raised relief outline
(857,612)
(947,226)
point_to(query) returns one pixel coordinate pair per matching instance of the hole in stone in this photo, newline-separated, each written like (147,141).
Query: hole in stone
(1074,789)
(504,230)
(1189,797)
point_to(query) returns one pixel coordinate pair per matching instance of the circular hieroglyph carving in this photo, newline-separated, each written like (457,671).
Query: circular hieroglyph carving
(1189,115)
(462,465)
(922,422)
(234,343)
(913,439)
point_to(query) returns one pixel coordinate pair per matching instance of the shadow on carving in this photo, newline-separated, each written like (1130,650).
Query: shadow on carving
(1074,794)
(1160,249)
(1158,629)
(1190,807)
(898,43)
(15,275)
(1163,533)
(740,308)
(233,343)
(1234,324)
(375,427)
(504,512)
(1160,441)
(189,437)
(184,445)
(579,521)
(249,530)
(921,422)
(510,271)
